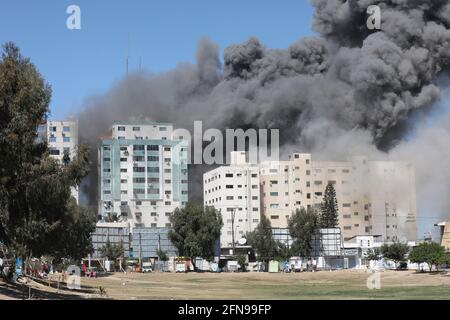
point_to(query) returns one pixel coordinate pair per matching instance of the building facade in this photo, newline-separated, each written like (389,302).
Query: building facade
(374,197)
(143,174)
(62,139)
(234,190)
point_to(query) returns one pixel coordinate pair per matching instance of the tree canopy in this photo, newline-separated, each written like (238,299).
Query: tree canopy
(429,253)
(302,227)
(329,208)
(195,231)
(395,251)
(262,241)
(38,215)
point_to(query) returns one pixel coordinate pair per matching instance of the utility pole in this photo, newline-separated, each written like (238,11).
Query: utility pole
(233,214)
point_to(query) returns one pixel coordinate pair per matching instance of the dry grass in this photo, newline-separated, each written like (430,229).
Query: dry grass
(319,285)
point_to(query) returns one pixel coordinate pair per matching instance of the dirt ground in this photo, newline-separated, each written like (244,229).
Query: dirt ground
(319,285)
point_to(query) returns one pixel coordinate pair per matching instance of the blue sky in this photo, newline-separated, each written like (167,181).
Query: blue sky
(79,63)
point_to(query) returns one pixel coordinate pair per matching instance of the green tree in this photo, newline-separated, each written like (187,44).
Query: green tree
(242,261)
(112,251)
(395,252)
(162,255)
(284,252)
(38,215)
(262,241)
(329,208)
(195,231)
(302,226)
(429,253)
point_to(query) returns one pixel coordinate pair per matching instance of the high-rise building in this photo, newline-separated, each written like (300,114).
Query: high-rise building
(234,191)
(143,174)
(374,197)
(62,139)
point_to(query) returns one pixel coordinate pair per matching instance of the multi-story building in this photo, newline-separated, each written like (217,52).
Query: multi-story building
(143,174)
(234,191)
(62,139)
(374,197)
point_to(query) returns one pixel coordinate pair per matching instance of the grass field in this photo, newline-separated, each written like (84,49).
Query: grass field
(319,285)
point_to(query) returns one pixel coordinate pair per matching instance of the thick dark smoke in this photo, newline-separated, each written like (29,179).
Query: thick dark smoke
(349,80)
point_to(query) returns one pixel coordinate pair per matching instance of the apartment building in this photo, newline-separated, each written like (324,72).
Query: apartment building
(235,191)
(143,174)
(62,139)
(374,197)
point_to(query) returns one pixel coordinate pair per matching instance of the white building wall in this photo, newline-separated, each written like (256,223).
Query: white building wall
(234,189)
(62,137)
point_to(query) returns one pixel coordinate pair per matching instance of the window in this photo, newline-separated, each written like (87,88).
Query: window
(331,171)
(254,175)
(308,184)
(273,181)
(347,216)
(274,217)
(153,191)
(167,170)
(308,172)
(138,203)
(167,149)
(53,129)
(66,139)
(123,181)
(106,181)
(255,186)
(136,128)
(123,159)
(152,158)
(162,128)
(153,180)
(346,205)
(106,159)
(52,139)
(123,149)
(121,128)
(107,192)
(153,225)
(106,170)
(54,152)
(139,191)
(138,169)
(307,161)
(230,198)
(123,170)
(138,147)
(153,148)
(347,227)
(153,214)
(274,194)
(138,158)
(229,175)
(167,181)
(308,196)
(123,192)
(138,180)
(254,197)
(274,206)
(229,186)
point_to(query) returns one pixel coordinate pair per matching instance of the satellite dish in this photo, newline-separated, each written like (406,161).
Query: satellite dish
(242,241)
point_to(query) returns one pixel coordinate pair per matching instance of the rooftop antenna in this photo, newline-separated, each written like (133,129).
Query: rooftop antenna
(127,60)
